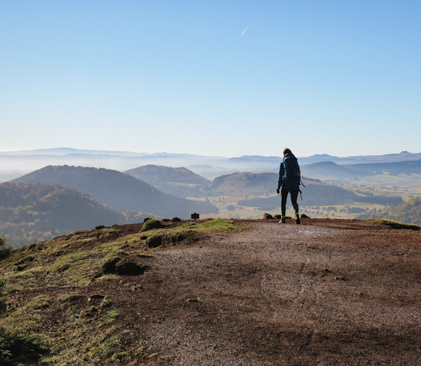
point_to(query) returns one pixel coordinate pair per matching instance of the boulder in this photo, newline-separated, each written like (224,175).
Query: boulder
(267,216)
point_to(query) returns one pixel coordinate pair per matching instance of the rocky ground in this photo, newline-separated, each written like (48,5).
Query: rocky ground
(326,292)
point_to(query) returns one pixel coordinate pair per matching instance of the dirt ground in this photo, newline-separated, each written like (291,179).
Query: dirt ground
(327,292)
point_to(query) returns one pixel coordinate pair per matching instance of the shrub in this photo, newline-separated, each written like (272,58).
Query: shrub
(4,251)
(19,348)
(151,224)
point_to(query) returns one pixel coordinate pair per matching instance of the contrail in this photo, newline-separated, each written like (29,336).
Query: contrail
(244,31)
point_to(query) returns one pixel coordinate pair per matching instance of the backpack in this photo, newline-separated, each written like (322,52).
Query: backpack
(292,176)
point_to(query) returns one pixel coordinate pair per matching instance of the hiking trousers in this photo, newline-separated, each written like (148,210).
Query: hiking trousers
(294,196)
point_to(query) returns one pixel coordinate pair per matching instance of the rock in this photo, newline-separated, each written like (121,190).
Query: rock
(99,227)
(267,216)
(154,241)
(304,216)
(129,268)
(166,220)
(340,278)
(174,219)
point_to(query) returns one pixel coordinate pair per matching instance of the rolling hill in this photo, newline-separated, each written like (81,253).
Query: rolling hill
(118,190)
(34,212)
(180,182)
(407,212)
(240,184)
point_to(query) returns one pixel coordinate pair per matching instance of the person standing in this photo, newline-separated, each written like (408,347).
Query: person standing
(289,182)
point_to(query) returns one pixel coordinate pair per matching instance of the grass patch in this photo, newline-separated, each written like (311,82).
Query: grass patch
(206,226)
(66,261)
(108,318)
(37,303)
(395,225)
(71,235)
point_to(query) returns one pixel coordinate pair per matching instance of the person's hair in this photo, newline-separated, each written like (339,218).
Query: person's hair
(287,151)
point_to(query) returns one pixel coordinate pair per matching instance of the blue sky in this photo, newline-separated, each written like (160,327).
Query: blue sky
(225,78)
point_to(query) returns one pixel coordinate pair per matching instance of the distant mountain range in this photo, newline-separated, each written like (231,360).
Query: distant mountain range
(118,190)
(208,166)
(332,172)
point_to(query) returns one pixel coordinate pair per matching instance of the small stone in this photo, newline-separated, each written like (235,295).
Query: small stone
(95,297)
(192,300)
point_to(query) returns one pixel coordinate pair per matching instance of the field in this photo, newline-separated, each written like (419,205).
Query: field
(229,209)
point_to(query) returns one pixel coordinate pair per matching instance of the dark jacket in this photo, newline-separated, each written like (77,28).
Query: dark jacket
(289,181)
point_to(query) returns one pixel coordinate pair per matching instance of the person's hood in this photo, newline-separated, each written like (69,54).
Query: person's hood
(289,156)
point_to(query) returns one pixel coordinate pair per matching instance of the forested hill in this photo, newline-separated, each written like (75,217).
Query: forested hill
(34,212)
(181,182)
(118,190)
(408,212)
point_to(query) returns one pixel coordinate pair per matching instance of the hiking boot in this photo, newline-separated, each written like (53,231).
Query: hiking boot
(282,221)
(297,219)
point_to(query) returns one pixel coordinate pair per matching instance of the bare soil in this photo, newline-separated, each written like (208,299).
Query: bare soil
(326,292)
